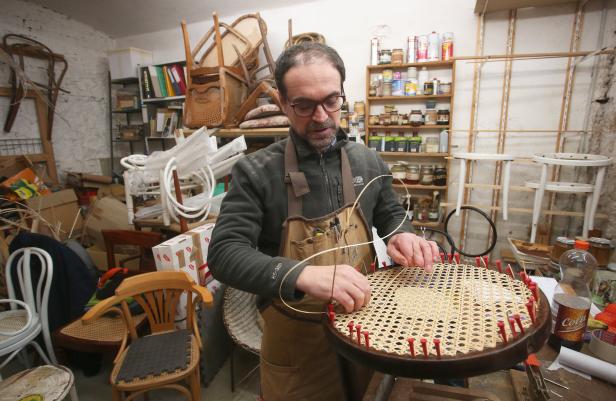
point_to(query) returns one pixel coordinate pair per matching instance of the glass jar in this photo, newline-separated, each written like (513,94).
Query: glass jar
(403,119)
(385,56)
(399,172)
(442,117)
(397,56)
(388,75)
(416,118)
(444,88)
(432,145)
(373,119)
(430,117)
(374,142)
(386,88)
(389,108)
(414,144)
(390,145)
(561,245)
(401,144)
(394,118)
(601,249)
(412,174)
(426,175)
(440,176)
(428,88)
(372,90)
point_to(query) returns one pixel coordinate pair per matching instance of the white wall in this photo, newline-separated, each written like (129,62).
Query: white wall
(536,88)
(81,126)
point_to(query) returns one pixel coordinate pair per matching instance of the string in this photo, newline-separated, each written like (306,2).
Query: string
(286,275)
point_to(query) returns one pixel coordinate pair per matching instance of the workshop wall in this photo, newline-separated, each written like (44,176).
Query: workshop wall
(536,87)
(81,127)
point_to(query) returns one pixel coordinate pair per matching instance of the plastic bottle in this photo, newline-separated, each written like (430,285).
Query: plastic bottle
(422,77)
(572,298)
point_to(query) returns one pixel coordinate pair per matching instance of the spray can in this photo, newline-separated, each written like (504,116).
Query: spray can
(447,46)
(422,78)
(411,49)
(434,47)
(374,51)
(422,48)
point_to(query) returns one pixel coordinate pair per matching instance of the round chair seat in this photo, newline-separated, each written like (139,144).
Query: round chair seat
(483,156)
(13,321)
(51,383)
(240,317)
(572,159)
(566,187)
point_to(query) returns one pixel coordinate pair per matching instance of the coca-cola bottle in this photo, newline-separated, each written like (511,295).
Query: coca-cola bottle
(572,299)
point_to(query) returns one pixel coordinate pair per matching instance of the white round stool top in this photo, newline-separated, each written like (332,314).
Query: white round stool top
(483,156)
(572,159)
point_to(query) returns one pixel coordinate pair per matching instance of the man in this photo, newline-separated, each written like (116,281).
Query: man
(294,199)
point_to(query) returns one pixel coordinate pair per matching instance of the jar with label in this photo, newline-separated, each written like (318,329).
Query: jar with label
(430,117)
(426,176)
(414,145)
(444,88)
(397,56)
(390,145)
(374,142)
(442,117)
(401,144)
(416,118)
(434,206)
(372,90)
(410,87)
(561,245)
(403,119)
(397,87)
(428,88)
(388,75)
(385,56)
(386,119)
(388,108)
(601,249)
(412,174)
(394,118)
(432,145)
(373,119)
(386,88)
(398,171)
(440,176)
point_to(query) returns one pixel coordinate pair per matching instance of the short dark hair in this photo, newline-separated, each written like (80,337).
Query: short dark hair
(306,53)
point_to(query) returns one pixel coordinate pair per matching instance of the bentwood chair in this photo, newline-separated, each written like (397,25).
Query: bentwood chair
(167,356)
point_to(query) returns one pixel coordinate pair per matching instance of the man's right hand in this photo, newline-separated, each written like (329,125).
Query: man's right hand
(351,288)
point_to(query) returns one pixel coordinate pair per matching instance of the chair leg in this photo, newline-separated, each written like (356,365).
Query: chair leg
(116,395)
(595,196)
(195,385)
(505,189)
(40,352)
(587,215)
(461,180)
(73,393)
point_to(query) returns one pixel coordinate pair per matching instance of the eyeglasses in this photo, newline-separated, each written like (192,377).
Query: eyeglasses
(306,108)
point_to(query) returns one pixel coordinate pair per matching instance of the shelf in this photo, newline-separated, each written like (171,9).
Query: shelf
(137,110)
(407,65)
(409,127)
(124,81)
(127,140)
(163,99)
(429,224)
(252,133)
(160,137)
(419,97)
(419,186)
(413,154)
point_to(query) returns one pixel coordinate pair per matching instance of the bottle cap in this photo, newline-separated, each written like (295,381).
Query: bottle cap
(579,244)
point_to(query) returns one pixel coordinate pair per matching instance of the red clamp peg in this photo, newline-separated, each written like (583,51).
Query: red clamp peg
(523,276)
(384,265)
(477,261)
(424,347)
(411,341)
(517,319)
(437,346)
(486,261)
(512,327)
(330,312)
(530,307)
(449,258)
(533,288)
(358,330)
(442,257)
(501,329)
(372,267)
(367,338)
(457,257)
(350,325)
(499,265)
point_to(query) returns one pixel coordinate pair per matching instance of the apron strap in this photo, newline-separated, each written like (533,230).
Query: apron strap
(297,185)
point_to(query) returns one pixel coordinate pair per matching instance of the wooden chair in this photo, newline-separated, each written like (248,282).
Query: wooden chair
(144,240)
(144,365)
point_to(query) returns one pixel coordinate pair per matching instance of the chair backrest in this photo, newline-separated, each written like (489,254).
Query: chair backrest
(34,293)
(158,293)
(144,240)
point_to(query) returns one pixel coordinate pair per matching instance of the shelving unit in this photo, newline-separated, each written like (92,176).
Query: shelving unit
(443,70)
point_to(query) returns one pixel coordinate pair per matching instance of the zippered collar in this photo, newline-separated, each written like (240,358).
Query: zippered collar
(305,151)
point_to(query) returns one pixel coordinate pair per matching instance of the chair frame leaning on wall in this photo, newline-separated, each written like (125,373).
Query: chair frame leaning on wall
(26,324)
(158,293)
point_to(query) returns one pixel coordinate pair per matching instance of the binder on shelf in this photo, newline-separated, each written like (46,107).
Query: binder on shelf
(168,85)
(178,74)
(161,81)
(155,82)
(146,84)
(174,82)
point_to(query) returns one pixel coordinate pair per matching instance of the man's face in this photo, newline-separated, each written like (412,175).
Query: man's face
(309,84)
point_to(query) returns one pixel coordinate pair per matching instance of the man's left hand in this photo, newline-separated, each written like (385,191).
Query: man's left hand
(408,249)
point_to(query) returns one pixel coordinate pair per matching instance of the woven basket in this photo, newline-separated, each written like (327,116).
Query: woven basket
(240,317)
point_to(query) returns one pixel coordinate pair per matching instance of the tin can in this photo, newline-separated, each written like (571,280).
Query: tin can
(410,49)
(422,48)
(388,75)
(444,88)
(397,56)
(434,46)
(410,87)
(428,88)
(374,51)
(397,75)
(386,88)
(397,87)
(447,46)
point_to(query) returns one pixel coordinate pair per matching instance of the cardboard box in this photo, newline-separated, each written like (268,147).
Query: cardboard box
(99,257)
(106,214)
(60,209)
(123,63)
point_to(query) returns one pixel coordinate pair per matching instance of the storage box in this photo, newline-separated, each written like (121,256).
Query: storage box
(107,213)
(60,209)
(123,62)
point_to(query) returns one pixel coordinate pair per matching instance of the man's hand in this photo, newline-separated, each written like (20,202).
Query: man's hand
(351,288)
(408,249)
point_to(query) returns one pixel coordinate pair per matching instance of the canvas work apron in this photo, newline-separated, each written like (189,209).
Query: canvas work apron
(297,362)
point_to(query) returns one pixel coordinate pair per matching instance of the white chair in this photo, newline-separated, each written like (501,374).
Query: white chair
(20,327)
(592,190)
(465,157)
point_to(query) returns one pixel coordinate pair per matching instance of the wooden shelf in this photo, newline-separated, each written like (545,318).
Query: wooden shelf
(120,111)
(252,133)
(414,154)
(430,224)
(409,127)
(407,65)
(398,98)
(163,99)
(419,186)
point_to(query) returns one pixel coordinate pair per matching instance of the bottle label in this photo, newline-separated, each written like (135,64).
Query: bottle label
(570,323)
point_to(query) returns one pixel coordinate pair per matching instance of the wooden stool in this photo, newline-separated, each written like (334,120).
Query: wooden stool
(49,382)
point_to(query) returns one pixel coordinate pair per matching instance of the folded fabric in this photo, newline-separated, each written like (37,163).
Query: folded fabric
(266,122)
(263,111)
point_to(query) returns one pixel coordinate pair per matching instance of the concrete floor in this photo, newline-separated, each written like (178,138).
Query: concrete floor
(97,388)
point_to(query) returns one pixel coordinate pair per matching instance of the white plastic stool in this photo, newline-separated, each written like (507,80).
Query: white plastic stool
(505,158)
(593,190)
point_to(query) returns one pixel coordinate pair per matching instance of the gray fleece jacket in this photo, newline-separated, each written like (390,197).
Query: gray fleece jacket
(243,251)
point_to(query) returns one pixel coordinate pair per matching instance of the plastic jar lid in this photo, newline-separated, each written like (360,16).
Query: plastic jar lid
(602,241)
(565,240)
